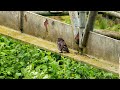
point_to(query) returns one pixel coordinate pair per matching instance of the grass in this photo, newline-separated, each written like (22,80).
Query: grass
(100,23)
(65,19)
(106,24)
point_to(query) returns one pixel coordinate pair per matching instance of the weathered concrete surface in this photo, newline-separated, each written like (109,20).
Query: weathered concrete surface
(47,28)
(103,47)
(53,47)
(10,19)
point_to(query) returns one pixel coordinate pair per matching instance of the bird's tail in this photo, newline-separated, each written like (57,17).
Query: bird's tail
(65,48)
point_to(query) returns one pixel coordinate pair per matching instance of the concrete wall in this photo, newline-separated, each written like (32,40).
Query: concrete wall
(103,47)
(47,28)
(10,19)
(100,46)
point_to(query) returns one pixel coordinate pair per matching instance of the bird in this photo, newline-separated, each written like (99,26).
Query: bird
(62,46)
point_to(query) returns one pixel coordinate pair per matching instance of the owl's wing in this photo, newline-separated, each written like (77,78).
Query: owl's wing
(65,48)
(59,45)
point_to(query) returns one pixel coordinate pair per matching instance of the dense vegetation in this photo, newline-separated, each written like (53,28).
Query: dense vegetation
(105,23)
(100,22)
(19,60)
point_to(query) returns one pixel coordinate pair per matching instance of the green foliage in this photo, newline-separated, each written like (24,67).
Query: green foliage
(115,28)
(66,19)
(104,23)
(23,61)
(100,22)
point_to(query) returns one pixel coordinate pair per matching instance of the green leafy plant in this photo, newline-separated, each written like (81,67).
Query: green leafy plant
(19,60)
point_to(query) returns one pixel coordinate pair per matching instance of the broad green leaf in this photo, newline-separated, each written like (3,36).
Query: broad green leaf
(46,76)
(18,74)
(2,77)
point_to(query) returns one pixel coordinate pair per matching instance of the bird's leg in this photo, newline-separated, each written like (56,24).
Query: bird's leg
(61,50)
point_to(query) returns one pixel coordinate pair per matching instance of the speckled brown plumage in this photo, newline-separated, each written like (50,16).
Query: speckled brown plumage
(62,45)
